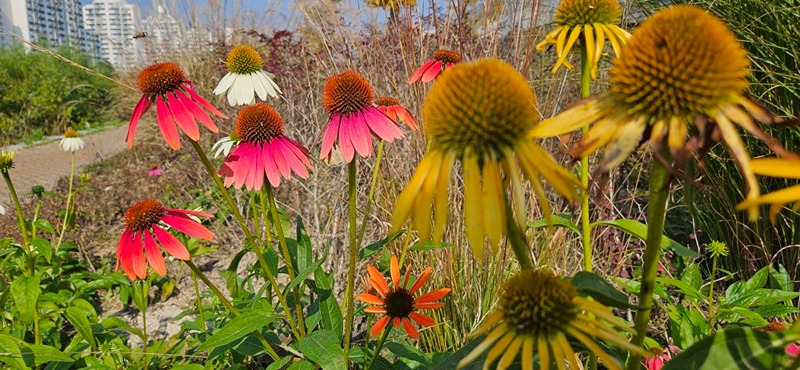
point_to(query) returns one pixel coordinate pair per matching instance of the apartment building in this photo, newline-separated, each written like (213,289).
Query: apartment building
(116,21)
(49,22)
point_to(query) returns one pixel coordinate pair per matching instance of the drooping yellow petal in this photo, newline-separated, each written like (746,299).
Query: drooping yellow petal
(493,203)
(740,154)
(562,57)
(561,41)
(600,134)
(441,199)
(569,120)
(615,43)
(625,141)
(544,352)
(527,352)
(490,339)
(563,181)
(618,37)
(512,172)
(781,197)
(421,216)
(588,33)
(473,204)
(498,348)
(678,129)
(488,322)
(776,167)
(406,200)
(558,355)
(510,353)
(601,44)
(569,354)
(549,39)
(609,363)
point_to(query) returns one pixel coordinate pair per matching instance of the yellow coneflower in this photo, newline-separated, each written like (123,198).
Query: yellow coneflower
(538,313)
(480,113)
(682,76)
(596,20)
(6,160)
(788,168)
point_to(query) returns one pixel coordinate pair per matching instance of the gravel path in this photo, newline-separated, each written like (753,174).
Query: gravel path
(46,164)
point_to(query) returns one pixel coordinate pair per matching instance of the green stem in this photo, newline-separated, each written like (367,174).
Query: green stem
(586,226)
(256,223)
(406,245)
(517,240)
(230,307)
(378,348)
(286,255)
(351,268)
(199,301)
(143,292)
(656,212)
(37,338)
(372,186)
(18,208)
(35,217)
(69,199)
(711,295)
(225,194)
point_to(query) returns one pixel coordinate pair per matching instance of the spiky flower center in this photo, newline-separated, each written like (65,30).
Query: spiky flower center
(680,62)
(398,303)
(538,303)
(258,123)
(347,93)
(447,56)
(581,12)
(774,326)
(37,190)
(70,133)
(386,101)
(243,60)
(6,160)
(486,105)
(159,79)
(141,216)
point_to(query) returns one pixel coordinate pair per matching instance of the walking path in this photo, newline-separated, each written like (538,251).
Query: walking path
(46,164)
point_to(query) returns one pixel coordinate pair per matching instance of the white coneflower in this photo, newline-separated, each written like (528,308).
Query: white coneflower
(71,142)
(223,146)
(245,78)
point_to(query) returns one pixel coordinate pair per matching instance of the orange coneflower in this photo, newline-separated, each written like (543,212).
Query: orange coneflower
(397,302)
(392,108)
(263,150)
(348,97)
(442,60)
(176,103)
(143,228)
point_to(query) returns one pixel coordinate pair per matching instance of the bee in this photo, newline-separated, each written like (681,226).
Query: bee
(140,35)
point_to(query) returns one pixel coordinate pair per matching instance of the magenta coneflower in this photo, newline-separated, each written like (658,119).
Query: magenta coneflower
(143,228)
(392,108)
(442,60)
(348,97)
(176,103)
(263,149)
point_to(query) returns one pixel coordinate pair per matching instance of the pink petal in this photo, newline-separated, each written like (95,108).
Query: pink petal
(138,262)
(362,140)
(188,226)
(196,111)
(419,72)
(345,143)
(171,244)
(270,167)
(431,73)
(142,106)
(154,254)
(204,103)
(258,169)
(382,126)
(183,117)
(124,255)
(330,136)
(167,126)
(280,161)
(183,212)
(301,152)
(288,149)
(250,167)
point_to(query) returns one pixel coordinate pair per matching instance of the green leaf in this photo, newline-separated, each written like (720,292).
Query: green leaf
(322,347)
(780,278)
(77,317)
(237,328)
(682,286)
(25,291)
(408,352)
(639,230)
(329,309)
(377,246)
(760,297)
(303,275)
(594,286)
(560,219)
(280,364)
(773,310)
(302,365)
(304,254)
(44,225)
(734,348)
(9,352)
(36,355)
(758,280)
(693,277)
(429,245)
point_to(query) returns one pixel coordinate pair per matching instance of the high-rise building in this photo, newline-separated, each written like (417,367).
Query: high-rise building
(116,21)
(53,23)
(168,35)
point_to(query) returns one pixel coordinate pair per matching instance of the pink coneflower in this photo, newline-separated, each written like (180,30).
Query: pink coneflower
(154,171)
(349,97)
(263,149)
(176,103)
(442,60)
(143,227)
(392,108)
(655,359)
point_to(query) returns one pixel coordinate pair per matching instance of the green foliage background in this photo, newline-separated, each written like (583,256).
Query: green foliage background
(41,95)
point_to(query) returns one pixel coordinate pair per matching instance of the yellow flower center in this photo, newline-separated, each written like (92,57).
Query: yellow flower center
(538,303)
(6,160)
(70,133)
(257,123)
(243,60)
(386,101)
(347,93)
(447,56)
(581,12)
(679,62)
(159,79)
(486,105)
(141,216)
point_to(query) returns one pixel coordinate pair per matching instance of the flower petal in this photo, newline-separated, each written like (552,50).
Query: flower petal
(420,280)
(410,329)
(154,254)
(379,326)
(432,296)
(142,106)
(171,244)
(188,226)
(422,320)
(369,298)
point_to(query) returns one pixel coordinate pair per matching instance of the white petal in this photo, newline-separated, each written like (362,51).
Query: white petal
(247,94)
(272,87)
(232,97)
(258,84)
(224,84)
